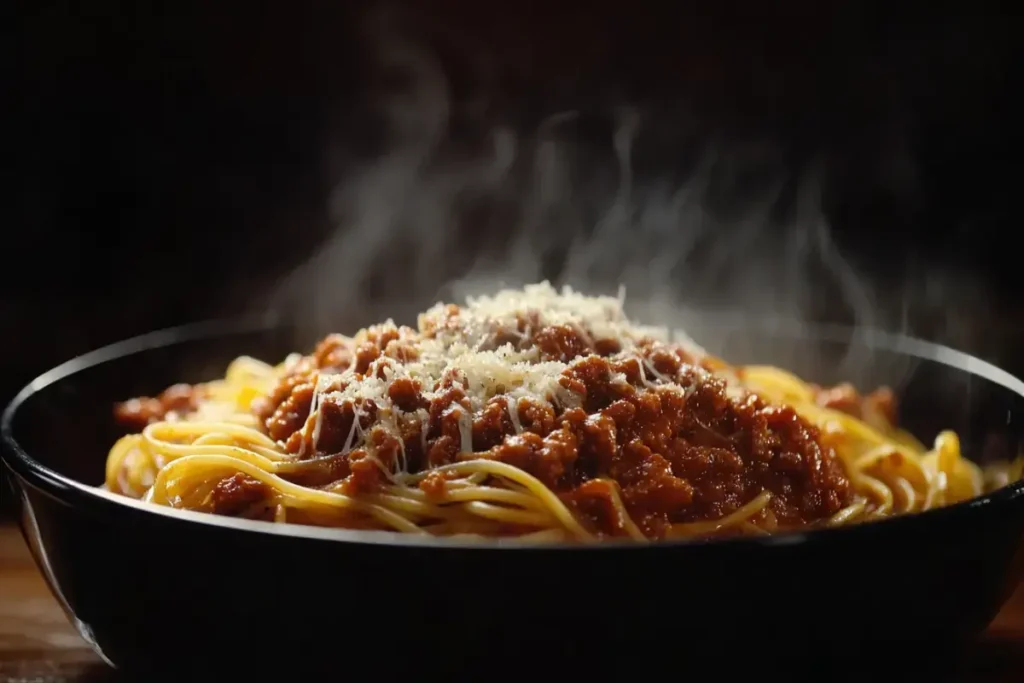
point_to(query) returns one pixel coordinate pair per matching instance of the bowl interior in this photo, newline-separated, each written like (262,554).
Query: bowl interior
(67,425)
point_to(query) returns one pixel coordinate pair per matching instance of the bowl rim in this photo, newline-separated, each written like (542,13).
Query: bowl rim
(75,493)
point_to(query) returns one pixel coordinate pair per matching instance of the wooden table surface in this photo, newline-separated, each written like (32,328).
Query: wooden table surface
(37,645)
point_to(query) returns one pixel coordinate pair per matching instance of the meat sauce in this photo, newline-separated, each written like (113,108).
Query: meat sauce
(677,450)
(654,427)
(878,408)
(176,401)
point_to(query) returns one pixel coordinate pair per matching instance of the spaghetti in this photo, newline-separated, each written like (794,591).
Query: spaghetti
(537,414)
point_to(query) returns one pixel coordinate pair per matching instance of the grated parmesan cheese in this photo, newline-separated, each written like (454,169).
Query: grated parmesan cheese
(460,344)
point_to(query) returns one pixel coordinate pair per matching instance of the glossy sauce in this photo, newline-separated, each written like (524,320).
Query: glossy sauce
(677,449)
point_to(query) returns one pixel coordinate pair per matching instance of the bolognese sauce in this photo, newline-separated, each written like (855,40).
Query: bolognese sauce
(535,414)
(177,400)
(650,424)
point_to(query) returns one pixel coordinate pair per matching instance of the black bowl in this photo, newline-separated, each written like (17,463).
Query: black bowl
(157,590)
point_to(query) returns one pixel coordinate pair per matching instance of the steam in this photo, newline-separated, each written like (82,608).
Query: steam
(440,214)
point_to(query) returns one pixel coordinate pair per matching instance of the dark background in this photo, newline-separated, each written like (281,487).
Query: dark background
(174,163)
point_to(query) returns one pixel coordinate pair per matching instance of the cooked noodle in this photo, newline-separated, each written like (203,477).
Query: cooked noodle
(182,459)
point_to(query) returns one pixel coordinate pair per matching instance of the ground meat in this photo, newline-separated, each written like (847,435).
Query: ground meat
(560,342)
(237,494)
(434,484)
(286,409)
(877,408)
(636,424)
(652,427)
(292,413)
(178,400)
(692,454)
(265,407)
(333,352)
